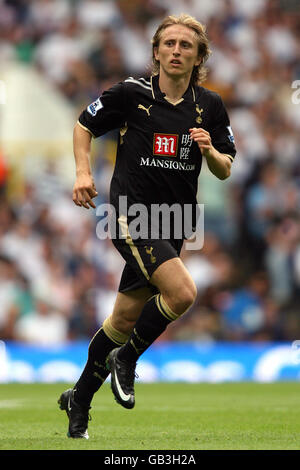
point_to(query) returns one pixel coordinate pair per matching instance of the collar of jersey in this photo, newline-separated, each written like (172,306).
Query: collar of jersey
(189,95)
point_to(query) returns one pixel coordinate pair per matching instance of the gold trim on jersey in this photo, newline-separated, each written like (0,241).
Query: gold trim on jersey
(123,131)
(194,96)
(152,90)
(177,102)
(229,156)
(174,103)
(85,128)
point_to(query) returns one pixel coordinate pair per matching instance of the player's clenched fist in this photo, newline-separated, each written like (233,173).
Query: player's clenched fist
(84,191)
(202,137)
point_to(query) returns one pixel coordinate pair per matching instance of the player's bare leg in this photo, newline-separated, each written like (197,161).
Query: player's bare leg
(127,309)
(175,285)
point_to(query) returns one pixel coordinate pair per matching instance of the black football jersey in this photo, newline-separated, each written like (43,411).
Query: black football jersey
(157,162)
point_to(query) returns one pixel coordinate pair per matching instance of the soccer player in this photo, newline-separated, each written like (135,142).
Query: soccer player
(167,123)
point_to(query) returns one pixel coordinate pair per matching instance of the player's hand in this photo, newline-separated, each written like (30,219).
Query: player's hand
(84,191)
(202,137)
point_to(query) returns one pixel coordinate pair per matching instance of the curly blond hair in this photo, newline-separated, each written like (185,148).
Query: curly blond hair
(200,71)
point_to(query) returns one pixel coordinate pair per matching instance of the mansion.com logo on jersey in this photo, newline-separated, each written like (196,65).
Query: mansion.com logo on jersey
(160,221)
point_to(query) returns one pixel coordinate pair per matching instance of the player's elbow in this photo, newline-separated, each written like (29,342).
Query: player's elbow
(226,169)
(225,174)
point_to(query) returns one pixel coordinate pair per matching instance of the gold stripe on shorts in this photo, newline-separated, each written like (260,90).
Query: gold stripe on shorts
(125,233)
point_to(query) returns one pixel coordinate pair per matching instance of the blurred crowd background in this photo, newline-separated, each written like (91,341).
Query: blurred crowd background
(58,281)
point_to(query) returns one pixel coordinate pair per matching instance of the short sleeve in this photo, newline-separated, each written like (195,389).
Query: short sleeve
(108,112)
(220,130)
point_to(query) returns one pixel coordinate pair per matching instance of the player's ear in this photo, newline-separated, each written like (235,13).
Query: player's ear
(155,53)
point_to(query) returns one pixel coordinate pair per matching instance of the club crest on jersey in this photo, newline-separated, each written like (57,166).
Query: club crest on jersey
(199,111)
(94,107)
(165,145)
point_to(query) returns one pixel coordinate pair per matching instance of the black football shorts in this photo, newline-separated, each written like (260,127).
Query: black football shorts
(142,258)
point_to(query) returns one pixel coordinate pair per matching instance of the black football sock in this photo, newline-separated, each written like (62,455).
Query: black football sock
(154,319)
(95,371)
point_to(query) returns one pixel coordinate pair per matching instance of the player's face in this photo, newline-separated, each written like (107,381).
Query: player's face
(177,51)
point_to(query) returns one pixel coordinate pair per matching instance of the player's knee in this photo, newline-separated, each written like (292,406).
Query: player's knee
(187,297)
(183,298)
(113,332)
(123,323)
(126,325)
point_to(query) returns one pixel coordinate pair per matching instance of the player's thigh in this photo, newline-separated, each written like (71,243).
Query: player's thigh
(127,308)
(175,284)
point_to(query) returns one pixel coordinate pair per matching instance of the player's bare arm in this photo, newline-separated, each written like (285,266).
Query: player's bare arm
(84,189)
(218,163)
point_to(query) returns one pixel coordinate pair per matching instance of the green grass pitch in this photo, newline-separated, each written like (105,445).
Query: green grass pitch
(179,416)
